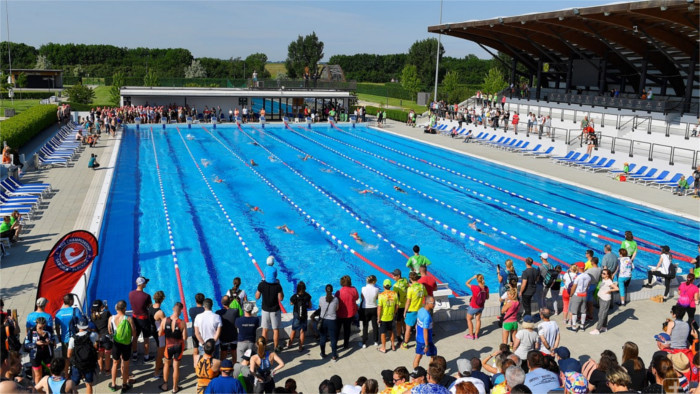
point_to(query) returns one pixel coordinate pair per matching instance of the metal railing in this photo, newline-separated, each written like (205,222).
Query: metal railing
(649,150)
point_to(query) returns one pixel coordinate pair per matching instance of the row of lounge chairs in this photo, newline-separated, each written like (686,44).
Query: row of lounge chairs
(61,149)
(511,144)
(24,198)
(644,175)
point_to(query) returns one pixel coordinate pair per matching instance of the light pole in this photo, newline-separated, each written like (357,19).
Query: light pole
(437,56)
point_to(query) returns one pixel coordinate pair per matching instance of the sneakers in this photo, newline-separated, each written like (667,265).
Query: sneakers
(595,332)
(404,345)
(572,328)
(364,346)
(469,336)
(603,329)
(376,344)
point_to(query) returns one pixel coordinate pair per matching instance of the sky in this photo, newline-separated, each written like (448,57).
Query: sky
(225,29)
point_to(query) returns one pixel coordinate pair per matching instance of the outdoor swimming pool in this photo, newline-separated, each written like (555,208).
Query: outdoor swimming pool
(216,234)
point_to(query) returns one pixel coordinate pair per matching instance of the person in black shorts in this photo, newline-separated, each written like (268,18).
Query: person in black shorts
(42,342)
(140,302)
(194,311)
(121,352)
(229,333)
(175,332)
(100,318)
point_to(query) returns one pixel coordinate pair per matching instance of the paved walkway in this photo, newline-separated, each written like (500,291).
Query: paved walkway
(77,192)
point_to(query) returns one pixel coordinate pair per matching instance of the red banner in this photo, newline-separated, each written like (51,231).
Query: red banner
(65,265)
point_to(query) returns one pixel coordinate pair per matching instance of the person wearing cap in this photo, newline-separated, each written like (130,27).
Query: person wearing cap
(241,371)
(663,341)
(681,364)
(82,343)
(414,262)
(64,318)
(419,376)
(464,374)
(566,363)
(272,296)
(140,301)
(270,270)
(575,383)
(247,326)
(402,381)
(387,307)
(541,292)
(415,297)
(41,303)
(175,332)
(99,315)
(525,340)
(226,382)
(400,288)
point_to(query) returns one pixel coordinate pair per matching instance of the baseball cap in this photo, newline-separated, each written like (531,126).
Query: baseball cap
(97,304)
(464,366)
(419,372)
(42,301)
(575,382)
(527,319)
(663,338)
(247,354)
(544,255)
(226,365)
(248,307)
(141,281)
(387,282)
(82,323)
(270,260)
(396,272)
(563,352)
(388,376)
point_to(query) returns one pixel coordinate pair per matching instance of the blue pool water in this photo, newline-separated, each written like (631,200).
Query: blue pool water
(319,199)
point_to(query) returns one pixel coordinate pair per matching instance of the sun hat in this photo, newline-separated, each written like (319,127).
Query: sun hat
(680,362)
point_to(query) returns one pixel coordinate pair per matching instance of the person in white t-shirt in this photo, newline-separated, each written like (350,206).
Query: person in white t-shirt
(207,325)
(577,301)
(548,332)
(662,270)
(368,310)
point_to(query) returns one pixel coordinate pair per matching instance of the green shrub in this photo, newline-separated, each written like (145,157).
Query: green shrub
(29,95)
(81,107)
(80,94)
(19,129)
(393,114)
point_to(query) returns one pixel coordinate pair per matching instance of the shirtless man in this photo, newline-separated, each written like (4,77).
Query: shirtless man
(285,229)
(398,189)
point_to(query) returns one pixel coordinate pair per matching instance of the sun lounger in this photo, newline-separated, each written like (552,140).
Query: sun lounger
(600,167)
(567,157)
(541,155)
(673,182)
(592,161)
(523,149)
(617,172)
(650,173)
(650,179)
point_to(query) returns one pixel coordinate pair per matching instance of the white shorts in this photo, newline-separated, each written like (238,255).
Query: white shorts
(271,320)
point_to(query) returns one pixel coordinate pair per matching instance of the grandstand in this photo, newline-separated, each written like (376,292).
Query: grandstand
(580,55)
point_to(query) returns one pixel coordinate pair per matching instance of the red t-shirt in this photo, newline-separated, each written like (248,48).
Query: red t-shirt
(139,301)
(429,282)
(347,295)
(475,295)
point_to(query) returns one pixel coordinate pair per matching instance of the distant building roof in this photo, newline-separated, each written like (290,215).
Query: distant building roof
(230,92)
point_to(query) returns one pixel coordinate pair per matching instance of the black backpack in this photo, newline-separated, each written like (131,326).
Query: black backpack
(84,353)
(550,277)
(512,276)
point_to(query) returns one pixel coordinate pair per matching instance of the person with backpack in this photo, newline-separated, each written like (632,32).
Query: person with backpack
(480,293)
(40,341)
(82,354)
(123,331)
(261,366)
(229,333)
(237,292)
(100,318)
(175,332)
(66,319)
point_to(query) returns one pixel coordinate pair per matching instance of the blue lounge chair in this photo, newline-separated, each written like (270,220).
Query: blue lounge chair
(568,155)
(673,181)
(518,148)
(650,179)
(524,150)
(484,139)
(541,155)
(573,159)
(592,161)
(650,173)
(616,172)
(601,167)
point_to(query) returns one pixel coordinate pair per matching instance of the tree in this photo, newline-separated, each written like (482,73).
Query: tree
(450,86)
(80,94)
(256,62)
(42,63)
(422,55)
(78,71)
(304,53)
(151,78)
(493,81)
(115,89)
(195,70)
(410,80)
(21,82)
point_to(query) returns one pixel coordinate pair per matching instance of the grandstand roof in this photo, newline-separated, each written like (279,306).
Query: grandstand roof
(659,36)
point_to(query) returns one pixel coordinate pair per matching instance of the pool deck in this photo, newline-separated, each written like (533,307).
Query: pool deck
(76,200)
(600,182)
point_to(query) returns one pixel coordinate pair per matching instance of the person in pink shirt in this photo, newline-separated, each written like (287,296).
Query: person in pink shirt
(688,297)
(347,308)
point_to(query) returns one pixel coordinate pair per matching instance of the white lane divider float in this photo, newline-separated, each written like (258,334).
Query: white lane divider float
(223,209)
(299,209)
(513,194)
(173,251)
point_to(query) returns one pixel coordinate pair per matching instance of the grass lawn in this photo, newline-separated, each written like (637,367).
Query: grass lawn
(381,101)
(19,105)
(275,68)
(101,96)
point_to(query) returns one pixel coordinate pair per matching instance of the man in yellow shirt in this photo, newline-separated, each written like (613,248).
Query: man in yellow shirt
(414,301)
(387,305)
(400,287)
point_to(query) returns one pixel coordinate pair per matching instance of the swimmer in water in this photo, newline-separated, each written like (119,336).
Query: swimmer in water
(217,179)
(327,170)
(360,241)
(366,191)
(305,158)
(472,225)
(205,162)
(254,143)
(285,229)
(190,137)
(253,163)
(398,189)
(255,209)
(272,159)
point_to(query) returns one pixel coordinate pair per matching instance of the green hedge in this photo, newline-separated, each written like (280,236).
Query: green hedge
(82,107)
(388,89)
(29,95)
(19,129)
(393,114)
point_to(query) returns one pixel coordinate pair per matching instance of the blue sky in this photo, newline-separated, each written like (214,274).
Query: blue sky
(227,29)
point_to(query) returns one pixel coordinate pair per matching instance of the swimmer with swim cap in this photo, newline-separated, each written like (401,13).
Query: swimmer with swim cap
(472,225)
(253,163)
(327,170)
(190,137)
(398,189)
(285,229)
(272,159)
(362,242)
(255,208)
(205,162)
(365,192)
(217,179)
(307,157)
